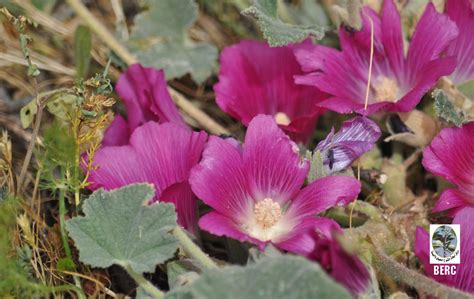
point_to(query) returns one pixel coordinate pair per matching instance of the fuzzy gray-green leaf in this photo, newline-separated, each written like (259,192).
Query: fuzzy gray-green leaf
(120,228)
(277,278)
(445,109)
(276,31)
(159,39)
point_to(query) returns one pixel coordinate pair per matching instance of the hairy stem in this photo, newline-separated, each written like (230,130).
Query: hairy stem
(400,273)
(144,283)
(192,249)
(109,39)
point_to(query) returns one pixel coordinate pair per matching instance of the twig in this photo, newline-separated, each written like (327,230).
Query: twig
(192,249)
(202,118)
(43,18)
(31,145)
(400,273)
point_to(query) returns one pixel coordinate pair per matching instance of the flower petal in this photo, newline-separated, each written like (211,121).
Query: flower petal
(221,225)
(392,38)
(272,162)
(159,154)
(450,199)
(118,132)
(322,194)
(220,182)
(183,198)
(144,92)
(433,33)
(423,80)
(301,240)
(451,156)
(464,278)
(462,13)
(257,79)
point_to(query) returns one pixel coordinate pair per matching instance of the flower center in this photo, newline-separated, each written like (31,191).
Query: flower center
(386,89)
(267,212)
(282,118)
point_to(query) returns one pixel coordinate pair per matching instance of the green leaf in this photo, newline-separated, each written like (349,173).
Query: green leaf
(277,278)
(120,228)
(159,39)
(445,109)
(27,113)
(181,272)
(276,31)
(61,104)
(307,13)
(65,264)
(467,88)
(82,51)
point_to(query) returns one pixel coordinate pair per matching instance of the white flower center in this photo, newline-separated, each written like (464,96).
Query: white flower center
(386,89)
(282,118)
(267,213)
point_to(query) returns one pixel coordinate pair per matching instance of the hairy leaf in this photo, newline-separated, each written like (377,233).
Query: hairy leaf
(159,39)
(120,228)
(276,31)
(445,109)
(278,277)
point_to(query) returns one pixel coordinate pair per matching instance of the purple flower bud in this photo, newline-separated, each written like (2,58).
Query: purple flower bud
(356,137)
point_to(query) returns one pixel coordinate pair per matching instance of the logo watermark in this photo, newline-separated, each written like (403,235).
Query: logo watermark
(445,248)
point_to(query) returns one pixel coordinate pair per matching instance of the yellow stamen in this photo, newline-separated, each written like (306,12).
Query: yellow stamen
(267,212)
(282,118)
(386,89)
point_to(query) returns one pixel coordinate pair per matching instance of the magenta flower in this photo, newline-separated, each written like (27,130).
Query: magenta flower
(162,155)
(344,267)
(451,156)
(145,95)
(256,79)
(462,13)
(464,277)
(397,82)
(255,190)
(356,137)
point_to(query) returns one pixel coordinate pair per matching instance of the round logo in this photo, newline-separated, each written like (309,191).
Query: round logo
(444,241)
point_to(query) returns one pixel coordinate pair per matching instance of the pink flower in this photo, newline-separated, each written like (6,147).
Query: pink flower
(255,190)
(397,82)
(464,277)
(462,13)
(344,267)
(162,155)
(256,79)
(451,156)
(145,95)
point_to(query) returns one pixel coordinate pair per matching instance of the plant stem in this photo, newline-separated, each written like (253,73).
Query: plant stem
(400,273)
(109,39)
(31,145)
(192,249)
(144,283)
(64,237)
